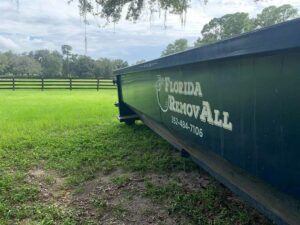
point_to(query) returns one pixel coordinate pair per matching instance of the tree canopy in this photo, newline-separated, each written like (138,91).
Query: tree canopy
(273,15)
(66,50)
(112,10)
(179,45)
(51,62)
(234,24)
(225,27)
(24,65)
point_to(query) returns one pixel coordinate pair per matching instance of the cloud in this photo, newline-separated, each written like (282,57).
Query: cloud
(7,44)
(52,23)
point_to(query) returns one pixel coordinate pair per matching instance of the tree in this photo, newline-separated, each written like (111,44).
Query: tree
(112,10)
(73,59)
(52,66)
(234,24)
(224,27)
(179,45)
(85,67)
(139,61)
(9,56)
(24,65)
(103,68)
(18,65)
(273,15)
(119,64)
(66,51)
(51,62)
(4,64)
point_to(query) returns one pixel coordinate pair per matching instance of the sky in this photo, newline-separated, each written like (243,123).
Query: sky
(49,24)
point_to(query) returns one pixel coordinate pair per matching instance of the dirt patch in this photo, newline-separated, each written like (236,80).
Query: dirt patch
(26,222)
(37,173)
(108,202)
(119,197)
(192,181)
(51,186)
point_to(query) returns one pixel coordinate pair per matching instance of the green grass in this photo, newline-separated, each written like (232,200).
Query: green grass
(77,135)
(120,180)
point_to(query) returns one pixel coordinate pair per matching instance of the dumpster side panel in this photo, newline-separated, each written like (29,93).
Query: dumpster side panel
(246,111)
(234,106)
(139,92)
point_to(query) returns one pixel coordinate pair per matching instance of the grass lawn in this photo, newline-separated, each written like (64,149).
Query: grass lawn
(65,159)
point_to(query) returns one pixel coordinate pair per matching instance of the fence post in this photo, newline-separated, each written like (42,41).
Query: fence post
(70,84)
(98,83)
(13,83)
(42,83)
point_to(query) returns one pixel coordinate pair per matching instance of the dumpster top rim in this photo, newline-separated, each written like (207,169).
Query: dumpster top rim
(278,37)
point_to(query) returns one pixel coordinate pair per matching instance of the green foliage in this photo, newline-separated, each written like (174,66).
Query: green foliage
(24,65)
(120,180)
(66,51)
(104,67)
(234,24)
(179,45)
(119,64)
(53,64)
(273,15)
(112,10)
(231,25)
(140,61)
(4,64)
(225,27)
(21,65)
(84,67)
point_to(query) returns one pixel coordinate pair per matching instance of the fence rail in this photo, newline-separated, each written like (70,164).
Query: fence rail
(55,84)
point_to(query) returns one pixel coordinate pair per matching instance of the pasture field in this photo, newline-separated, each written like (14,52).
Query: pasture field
(65,159)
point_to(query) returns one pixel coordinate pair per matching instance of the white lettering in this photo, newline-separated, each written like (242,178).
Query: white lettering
(189,110)
(196,110)
(206,114)
(171,102)
(167,81)
(226,124)
(217,121)
(190,90)
(198,91)
(184,88)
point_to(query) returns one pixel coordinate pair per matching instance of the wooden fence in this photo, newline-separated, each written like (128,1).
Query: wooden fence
(55,84)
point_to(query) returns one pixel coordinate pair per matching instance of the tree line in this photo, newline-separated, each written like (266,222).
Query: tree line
(231,25)
(45,63)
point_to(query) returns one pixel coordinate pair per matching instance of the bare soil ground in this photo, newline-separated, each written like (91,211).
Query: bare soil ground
(119,197)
